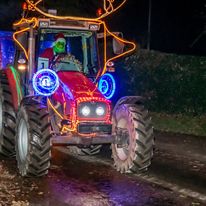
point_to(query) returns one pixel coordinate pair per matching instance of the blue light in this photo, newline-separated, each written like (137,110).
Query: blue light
(66,90)
(7,49)
(45,82)
(107,85)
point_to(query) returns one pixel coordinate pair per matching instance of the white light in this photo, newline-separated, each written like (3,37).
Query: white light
(100,111)
(93,27)
(46,82)
(85,111)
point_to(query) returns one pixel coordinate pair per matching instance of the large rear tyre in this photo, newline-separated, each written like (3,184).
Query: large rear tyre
(133,124)
(90,150)
(7,118)
(33,140)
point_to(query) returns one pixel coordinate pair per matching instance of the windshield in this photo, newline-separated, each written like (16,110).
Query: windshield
(68,50)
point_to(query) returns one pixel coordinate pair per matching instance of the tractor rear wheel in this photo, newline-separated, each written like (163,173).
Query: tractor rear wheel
(133,126)
(33,139)
(7,118)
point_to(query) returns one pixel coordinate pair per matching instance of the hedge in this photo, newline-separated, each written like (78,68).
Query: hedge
(172,83)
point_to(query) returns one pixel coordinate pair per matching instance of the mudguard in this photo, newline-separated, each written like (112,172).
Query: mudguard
(129,100)
(15,86)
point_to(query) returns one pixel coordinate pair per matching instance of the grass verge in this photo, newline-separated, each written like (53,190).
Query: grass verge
(180,124)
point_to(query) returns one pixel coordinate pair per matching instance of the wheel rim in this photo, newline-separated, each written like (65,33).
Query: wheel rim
(23,140)
(123,152)
(1,116)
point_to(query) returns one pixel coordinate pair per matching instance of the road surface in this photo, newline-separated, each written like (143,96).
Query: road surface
(177,177)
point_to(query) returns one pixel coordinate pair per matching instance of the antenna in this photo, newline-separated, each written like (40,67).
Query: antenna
(198,37)
(149,25)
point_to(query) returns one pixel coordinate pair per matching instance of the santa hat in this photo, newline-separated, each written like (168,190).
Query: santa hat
(60,37)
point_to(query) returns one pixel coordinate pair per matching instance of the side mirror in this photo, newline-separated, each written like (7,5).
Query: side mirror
(118,47)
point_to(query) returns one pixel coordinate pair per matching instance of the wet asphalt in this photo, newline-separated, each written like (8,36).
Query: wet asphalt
(93,181)
(181,159)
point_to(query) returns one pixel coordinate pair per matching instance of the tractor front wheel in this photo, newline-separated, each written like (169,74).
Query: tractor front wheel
(133,126)
(33,140)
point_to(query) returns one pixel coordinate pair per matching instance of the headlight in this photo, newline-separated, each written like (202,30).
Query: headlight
(92,110)
(85,111)
(100,111)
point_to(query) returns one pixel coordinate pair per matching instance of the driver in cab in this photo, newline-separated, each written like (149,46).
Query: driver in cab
(58,53)
(59,47)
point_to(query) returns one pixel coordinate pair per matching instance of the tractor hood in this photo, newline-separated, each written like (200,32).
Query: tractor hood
(76,85)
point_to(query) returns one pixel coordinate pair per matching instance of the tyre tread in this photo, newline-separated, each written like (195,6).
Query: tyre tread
(40,153)
(7,137)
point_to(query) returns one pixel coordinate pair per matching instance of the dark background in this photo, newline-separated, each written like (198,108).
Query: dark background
(175,24)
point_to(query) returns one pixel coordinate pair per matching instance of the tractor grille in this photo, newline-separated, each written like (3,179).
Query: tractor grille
(94,128)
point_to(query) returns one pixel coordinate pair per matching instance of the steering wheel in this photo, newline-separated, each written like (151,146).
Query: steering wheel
(66,62)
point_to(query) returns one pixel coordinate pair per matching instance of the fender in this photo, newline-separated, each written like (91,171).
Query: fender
(128,100)
(15,86)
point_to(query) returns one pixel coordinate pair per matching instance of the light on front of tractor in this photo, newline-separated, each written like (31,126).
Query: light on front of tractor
(85,111)
(100,111)
(107,85)
(45,82)
(22,67)
(91,110)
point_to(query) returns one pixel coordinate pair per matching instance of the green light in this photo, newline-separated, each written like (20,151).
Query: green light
(17,80)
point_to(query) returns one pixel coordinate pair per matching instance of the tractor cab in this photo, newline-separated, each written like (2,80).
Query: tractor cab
(80,51)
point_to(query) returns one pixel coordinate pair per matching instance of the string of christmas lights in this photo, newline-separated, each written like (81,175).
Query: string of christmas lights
(33,22)
(108,7)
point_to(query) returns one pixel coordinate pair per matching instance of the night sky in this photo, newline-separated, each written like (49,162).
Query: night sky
(175,24)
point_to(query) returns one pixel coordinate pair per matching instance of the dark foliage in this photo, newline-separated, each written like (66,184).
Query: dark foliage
(171,83)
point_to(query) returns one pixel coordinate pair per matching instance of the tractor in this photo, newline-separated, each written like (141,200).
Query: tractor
(67,100)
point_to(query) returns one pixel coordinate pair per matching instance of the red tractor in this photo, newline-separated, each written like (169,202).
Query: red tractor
(65,98)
